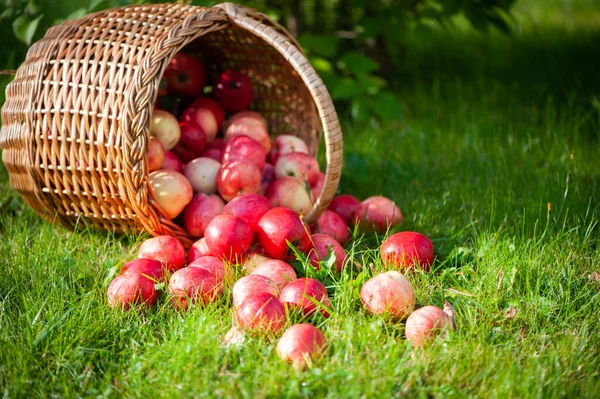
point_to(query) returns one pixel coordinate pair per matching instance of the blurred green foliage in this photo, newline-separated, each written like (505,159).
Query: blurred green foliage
(353,44)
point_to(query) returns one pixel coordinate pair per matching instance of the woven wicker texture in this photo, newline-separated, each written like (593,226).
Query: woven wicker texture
(75,122)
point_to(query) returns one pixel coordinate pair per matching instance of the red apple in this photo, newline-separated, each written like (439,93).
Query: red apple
(200,212)
(286,144)
(193,285)
(172,191)
(166,249)
(307,295)
(202,174)
(291,193)
(243,148)
(126,291)
(172,162)
(299,165)
(206,113)
(280,272)
(215,266)
(277,227)
(213,153)
(249,207)
(261,313)
(185,75)
(165,128)
(254,260)
(346,206)
(150,268)
(322,244)
(316,188)
(183,153)
(233,91)
(235,178)
(251,127)
(156,154)
(333,225)
(245,114)
(235,336)
(268,177)
(192,142)
(424,323)
(407,250)
(252,284)
(198,250)
(300,344)
(389,294)
(377,214)
(228,237)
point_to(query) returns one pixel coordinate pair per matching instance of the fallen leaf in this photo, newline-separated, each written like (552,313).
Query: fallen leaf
(522,333)
(449,310)
(234,336)
(510,313)
(594,276)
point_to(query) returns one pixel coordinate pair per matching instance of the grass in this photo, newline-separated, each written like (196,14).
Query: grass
(496,159)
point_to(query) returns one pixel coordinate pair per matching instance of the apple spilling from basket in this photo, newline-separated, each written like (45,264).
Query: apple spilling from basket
(243,195)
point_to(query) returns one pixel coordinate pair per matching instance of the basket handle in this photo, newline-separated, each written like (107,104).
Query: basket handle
(235,11)
(232,10)
(8,72)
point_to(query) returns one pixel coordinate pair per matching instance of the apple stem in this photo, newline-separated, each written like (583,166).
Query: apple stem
(182,78)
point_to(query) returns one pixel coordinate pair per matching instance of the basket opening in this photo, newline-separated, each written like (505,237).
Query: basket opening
(280,95)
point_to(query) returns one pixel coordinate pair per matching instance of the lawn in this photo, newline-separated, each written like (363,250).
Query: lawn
(496,158)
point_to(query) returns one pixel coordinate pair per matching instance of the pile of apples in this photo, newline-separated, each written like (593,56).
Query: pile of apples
(218,150)
(243,196)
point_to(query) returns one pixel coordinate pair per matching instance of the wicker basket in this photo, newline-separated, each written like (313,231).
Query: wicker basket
(76,117)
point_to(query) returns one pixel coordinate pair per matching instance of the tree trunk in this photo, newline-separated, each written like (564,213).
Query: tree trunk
(344,16)
(320,18)
(294,18)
